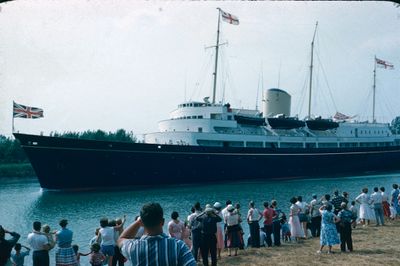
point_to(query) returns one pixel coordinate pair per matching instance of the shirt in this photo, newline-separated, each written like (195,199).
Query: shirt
(209,224)
(376,198)
(346,216)
(253,215)
(268,213)
(302,205)
(176,229)
(64,238)
(314,208)
(158,250)
(107,236)
(232,219)
(96,258)
(337,201)
(18,259)
(37,241)
(385,197)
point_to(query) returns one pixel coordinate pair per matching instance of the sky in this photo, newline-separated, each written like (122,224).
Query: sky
(126,64)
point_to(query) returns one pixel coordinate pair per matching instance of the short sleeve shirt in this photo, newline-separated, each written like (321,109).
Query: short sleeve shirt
(157,250)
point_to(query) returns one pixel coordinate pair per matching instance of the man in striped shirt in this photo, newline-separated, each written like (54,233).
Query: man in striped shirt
(154,247)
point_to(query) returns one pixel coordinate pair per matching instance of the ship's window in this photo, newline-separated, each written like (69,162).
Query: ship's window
(215,116)
(291,145)
(271,144)
(194,117)
(212,143)
(200,129)
(229,117)
(254,144)
(311,145)
(234,143)
(199,117)
(351,131)
(327,145)
(184,105)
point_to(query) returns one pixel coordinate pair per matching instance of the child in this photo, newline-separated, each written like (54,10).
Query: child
(353,210)
(18,257)
(393,212)
(78,254)
(96,257)
(49,235)
(285,229)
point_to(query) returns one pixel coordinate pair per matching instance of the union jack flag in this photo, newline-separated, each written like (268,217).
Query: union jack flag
(23,111)
(231,19)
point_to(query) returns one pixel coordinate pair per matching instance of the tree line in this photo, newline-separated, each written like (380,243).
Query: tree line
(11,151)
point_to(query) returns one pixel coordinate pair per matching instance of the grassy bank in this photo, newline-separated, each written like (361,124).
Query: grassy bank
(372,246)
(16,170)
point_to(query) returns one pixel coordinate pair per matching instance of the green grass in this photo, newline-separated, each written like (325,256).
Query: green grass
(16,170)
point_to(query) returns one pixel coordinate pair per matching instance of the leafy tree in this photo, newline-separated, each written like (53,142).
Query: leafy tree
(11,151)
(395,125)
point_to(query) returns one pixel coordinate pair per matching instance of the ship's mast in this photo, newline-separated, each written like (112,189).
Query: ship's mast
(216,57)
(311,71)
(373,94)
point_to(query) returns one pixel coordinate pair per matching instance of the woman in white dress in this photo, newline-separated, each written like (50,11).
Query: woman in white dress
(365,214)
(295,227)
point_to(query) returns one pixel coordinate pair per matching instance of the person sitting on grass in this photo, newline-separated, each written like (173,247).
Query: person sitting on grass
(18,257)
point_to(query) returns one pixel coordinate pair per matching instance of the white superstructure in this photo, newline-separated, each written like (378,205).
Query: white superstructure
(207,124)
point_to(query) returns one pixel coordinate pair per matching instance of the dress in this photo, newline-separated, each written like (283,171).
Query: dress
(295,227)
(386,205)
(365,208)
(220,230)
(329,235)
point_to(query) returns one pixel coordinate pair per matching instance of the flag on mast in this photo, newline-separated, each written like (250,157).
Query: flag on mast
(22,111)
(339,116)
(383,64)
(231,19)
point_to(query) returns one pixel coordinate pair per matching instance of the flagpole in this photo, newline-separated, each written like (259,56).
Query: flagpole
(216,57)
(13,119)
(373,97)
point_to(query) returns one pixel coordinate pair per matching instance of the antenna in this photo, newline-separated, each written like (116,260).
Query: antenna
(279,73)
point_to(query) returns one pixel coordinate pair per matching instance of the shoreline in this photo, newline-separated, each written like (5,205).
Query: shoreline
(373,245)
(19,170)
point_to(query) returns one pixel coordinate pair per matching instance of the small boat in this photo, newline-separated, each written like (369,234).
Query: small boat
(250,120)
(321,124)
(283,122)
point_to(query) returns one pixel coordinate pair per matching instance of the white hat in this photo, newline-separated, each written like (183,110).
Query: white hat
(217,205)
(230,208)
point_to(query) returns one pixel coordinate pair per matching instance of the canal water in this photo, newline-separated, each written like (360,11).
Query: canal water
(22,201)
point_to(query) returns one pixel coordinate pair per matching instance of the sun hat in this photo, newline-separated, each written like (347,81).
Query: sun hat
(230,208)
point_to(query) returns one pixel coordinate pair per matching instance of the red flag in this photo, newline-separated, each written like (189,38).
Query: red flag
(231,19)
(383,64)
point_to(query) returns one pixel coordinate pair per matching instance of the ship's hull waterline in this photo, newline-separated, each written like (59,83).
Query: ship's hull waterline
(64,164)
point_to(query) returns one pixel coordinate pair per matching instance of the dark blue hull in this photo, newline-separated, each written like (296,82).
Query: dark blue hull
(62,163)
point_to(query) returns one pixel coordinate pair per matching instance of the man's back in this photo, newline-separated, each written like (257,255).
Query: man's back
(157,251)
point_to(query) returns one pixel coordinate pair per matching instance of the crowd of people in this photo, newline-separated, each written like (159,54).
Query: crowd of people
(207,231)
